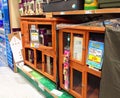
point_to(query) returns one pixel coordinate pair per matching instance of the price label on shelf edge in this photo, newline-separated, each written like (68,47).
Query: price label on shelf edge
(88,12)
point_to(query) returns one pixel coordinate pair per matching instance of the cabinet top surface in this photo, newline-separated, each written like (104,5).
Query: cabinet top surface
(87,28)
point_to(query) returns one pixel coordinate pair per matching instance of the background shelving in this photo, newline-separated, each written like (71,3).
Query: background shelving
(80,12)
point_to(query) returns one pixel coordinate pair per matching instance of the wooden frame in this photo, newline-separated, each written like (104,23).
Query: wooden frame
(80,66)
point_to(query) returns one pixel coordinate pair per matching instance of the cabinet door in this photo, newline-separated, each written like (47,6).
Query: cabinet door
(64,46)
(74,41)
(77,80)
(72,53)
(78,46)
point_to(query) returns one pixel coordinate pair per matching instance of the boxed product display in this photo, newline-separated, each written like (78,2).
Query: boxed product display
(109,3)
(30,7)
(63,5)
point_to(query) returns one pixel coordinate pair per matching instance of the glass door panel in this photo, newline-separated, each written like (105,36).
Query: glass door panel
(48,64)
(39,59)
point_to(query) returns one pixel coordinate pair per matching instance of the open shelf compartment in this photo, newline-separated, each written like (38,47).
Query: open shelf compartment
(93,86)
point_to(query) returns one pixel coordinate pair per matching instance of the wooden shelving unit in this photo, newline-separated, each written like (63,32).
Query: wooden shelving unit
(79,73)
(85,75)
(45,55)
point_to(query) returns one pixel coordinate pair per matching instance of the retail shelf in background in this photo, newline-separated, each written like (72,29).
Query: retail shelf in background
(80,12)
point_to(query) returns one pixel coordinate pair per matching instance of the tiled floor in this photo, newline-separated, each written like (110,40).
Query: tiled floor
(13,85)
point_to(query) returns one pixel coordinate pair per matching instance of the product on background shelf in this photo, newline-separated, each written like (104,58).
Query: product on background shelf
(25,9)
(20,1)
(31,7)
(38,8)
(95,54)
(21,11)
(90,4)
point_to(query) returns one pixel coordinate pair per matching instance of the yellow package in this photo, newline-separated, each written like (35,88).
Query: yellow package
(91,4)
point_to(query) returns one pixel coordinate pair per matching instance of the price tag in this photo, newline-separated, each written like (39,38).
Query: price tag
(57,92)
(62,13)
(33,78)
(41,86)
(32,44)
(88,12)
(49,15)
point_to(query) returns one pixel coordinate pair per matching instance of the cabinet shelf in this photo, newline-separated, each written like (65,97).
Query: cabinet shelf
(41,47)
(28,46)
(45,47)
(87,28)
(28,63)
(94,72)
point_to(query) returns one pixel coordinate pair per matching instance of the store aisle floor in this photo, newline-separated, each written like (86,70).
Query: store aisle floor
(13,85)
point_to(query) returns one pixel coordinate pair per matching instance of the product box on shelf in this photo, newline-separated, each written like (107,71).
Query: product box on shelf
(30,7)
(63,5)
(109,3)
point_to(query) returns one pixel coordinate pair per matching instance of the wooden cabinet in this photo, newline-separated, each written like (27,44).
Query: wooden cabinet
(83,82)
(39,44)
